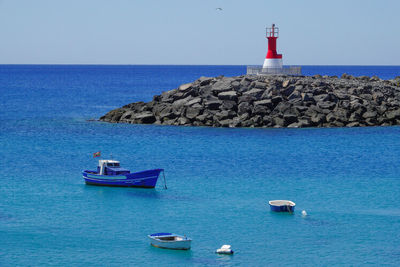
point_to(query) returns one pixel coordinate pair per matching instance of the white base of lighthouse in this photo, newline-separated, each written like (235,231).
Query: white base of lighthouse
(273,63)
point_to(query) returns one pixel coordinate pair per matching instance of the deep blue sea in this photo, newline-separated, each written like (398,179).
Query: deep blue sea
(219,180)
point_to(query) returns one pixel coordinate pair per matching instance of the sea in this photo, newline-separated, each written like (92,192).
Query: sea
(219,180)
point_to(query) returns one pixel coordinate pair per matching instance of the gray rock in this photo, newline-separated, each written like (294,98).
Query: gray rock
(353,124)
(369,114)
(243,108)
(326,105)
(127,115)
(221,86)
(393,114)
(254,92)
(226,123)
(266,102)
(282,107)
(185,87)
(299,88)
(300,109)
(229,105)
(288,91)
(260,110)
(181,102)
(289,118)
(278,122)
(197,106)
(246,98)
(285,83)
(295,125)
(307,97)
(192,113)
(318,118)
(196,100)
(202,117)
(205,81)
(167,96)
(295,96)
(260,85)
(229,95)
(321,98)
(145,118)
(277,99)
(213,104)
(235,85)
(183,121)
(225,114)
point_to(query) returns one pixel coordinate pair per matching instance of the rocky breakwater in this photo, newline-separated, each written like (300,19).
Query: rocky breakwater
(271,101)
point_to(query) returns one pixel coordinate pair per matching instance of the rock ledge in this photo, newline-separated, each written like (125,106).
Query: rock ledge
(271,101)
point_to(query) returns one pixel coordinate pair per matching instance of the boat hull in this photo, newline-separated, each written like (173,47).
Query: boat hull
(144,179)
(282,206)
(183,245)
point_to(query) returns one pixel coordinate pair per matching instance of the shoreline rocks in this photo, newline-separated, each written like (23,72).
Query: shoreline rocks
(271,101)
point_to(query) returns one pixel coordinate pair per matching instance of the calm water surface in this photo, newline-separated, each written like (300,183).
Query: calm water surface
(219,180)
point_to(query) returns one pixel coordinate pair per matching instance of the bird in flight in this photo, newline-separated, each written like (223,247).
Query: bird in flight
(218,8)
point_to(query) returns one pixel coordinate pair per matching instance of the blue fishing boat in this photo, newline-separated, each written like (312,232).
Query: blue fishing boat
(110,173)
(282,205)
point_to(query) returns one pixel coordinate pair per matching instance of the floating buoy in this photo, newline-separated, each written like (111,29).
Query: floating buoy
(225,249)
(304,213)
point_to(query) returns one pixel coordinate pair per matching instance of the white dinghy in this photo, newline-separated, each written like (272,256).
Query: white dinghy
(170,241)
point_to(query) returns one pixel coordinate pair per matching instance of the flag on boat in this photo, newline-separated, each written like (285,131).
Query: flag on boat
(97,154)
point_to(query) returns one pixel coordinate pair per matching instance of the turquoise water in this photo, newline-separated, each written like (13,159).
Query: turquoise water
(219,180)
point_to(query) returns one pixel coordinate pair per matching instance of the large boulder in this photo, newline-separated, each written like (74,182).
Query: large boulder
(243,108)
(145,118)
(229,95)
(192,113)
(194,101)
(221,86)
(265,103)
(212,104)
(185,87)
(254,92)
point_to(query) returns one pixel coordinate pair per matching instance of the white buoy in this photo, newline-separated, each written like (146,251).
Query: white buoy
(225,249)
(304,213)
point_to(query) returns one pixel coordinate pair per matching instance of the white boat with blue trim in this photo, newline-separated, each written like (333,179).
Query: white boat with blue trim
(170,241)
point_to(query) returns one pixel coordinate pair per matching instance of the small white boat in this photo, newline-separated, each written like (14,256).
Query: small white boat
(170,241)
(282,205)
(225,249)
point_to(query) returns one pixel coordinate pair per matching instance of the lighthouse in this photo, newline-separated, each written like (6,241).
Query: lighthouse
(273,64)
(273,60)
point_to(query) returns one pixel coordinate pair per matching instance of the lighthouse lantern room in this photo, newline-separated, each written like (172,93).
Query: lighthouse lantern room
(273,60)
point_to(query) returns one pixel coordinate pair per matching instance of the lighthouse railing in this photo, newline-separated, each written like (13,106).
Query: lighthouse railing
(286,70)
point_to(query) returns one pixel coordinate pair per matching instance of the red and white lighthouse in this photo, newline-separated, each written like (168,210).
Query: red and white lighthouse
(273,60)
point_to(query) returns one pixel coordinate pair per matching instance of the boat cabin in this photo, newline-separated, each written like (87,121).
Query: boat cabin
(110,167)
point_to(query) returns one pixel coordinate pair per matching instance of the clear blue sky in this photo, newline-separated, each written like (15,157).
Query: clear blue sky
(340,32)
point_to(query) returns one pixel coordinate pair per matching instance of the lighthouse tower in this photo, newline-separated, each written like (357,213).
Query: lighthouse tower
(273,60)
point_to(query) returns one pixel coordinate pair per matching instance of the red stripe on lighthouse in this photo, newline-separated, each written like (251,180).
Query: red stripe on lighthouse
(272,35)
(272,48)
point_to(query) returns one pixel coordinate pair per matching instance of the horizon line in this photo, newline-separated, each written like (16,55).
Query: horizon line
(103,64)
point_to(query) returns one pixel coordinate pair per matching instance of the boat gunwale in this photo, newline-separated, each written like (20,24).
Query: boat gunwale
(280,203)
(184,239)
